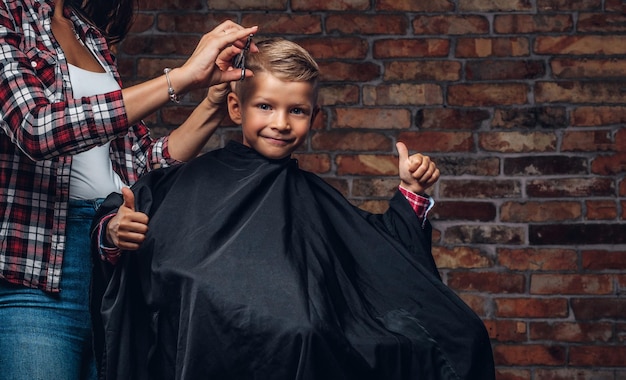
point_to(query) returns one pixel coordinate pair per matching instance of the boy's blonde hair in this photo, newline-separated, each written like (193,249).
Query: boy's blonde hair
(284,60)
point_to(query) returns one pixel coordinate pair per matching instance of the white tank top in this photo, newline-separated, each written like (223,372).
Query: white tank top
(92,174)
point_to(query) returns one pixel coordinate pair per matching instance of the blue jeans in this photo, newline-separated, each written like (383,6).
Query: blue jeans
(44,336)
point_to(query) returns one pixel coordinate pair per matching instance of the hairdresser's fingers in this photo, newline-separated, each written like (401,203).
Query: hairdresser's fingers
(199,69)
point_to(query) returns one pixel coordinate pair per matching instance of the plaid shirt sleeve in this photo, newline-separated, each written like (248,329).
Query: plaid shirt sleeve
(420,204)
(37,117)
(107,253)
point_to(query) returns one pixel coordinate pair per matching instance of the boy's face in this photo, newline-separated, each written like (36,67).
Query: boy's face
(277,115)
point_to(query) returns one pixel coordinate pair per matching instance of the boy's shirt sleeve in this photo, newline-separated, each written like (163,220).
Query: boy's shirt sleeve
(421,205)
(107,253)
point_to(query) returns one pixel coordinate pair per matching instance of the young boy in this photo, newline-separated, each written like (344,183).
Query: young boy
(255,269)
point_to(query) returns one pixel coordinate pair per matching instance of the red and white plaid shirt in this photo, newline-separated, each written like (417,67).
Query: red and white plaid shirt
(41,127)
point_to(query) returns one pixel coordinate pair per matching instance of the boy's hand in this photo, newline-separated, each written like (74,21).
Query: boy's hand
(417,172)
(218,94)
(127,229)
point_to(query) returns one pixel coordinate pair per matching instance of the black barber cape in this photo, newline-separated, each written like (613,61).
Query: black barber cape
(255,269)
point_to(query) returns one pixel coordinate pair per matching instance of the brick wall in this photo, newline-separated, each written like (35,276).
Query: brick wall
(521,104)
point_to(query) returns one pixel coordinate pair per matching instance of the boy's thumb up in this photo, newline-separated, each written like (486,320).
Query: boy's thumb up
(403,152)
(129,198)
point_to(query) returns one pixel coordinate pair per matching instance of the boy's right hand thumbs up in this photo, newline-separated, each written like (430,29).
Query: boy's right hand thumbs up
(129,198)
(128,228)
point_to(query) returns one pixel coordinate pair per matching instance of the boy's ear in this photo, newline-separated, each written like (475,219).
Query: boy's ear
(234,108)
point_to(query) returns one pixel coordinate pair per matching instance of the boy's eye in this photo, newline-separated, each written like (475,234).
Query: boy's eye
(298,111)
(264,106)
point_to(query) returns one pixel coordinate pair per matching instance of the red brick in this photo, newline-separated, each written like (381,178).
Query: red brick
(282,23)
(161,5)
(450,25)
(567,68)
(350,141)
(374,187)
(579,92)
(487,94)
(503,373)
(501,283)
(461,210)
(503,70)
(451,118)
(601,210)
(535,165)
(561,284)
(507,330)
(597,356)
(317,163)
(449,165)
(615,6)
(527,355)
(238,5)
(479,189)
(332,95)
(171,45)
(574,374)
(485,234)
(479,304)
(542,259)
(362,164)
(371,118)
(198,23)
(530,117)
(518,142)
(588,309)
(364,24)
(581,45)
(329,5)
(492,47)
(411,48)
(339,48)
(600,260)
(568,5)
(598,115)
(415,5)
(571,331)
(587,141)
(494,5)
(535,23)
(609,164)
(601,22)
(531,307)
(517,212)
(460,257)
(348,71)
(570,187)
(430,141)
(422,71)
(577,233)
(403,93)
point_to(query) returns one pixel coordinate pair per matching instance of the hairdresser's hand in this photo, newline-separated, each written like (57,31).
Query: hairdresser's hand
(210,63)
(417,172)
(127,229)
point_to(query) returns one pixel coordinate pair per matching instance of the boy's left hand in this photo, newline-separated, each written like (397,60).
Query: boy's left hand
(417,172)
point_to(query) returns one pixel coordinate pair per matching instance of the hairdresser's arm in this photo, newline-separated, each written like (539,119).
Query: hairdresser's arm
(208,65)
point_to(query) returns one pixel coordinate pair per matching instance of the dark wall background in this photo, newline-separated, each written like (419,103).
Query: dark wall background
(521,104)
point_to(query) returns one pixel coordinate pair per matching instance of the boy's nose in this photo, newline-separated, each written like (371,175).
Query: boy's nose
(281,121)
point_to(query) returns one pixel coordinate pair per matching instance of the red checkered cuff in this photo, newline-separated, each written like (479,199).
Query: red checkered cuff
(420,204)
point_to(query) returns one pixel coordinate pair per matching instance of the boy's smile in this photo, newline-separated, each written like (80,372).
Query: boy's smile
(276,116)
